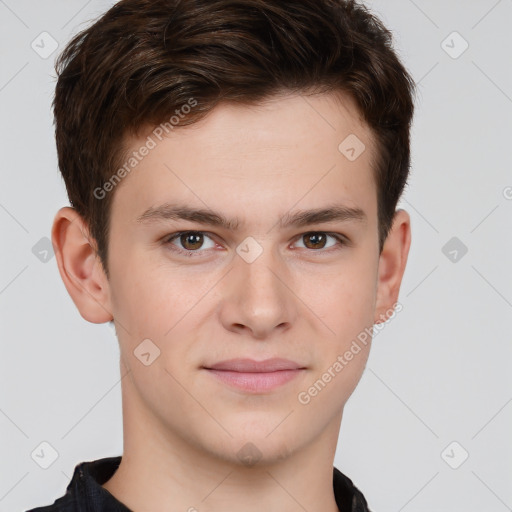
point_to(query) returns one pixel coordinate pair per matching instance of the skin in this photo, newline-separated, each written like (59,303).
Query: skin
(183,428)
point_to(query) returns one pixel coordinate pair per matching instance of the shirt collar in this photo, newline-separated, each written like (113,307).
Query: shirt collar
(86,494)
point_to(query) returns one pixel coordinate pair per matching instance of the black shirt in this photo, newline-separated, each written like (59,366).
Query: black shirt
(85,494)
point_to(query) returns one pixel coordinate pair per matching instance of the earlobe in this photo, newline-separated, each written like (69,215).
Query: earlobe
(80,267)
(392,262)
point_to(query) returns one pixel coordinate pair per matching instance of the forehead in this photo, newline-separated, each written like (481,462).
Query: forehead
(289,150)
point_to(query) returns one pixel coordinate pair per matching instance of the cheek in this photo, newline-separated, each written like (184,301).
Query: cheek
(142,297)
(344,298)
(154,299)
(346,309)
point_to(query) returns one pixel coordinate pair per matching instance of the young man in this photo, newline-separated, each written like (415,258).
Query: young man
(233,168)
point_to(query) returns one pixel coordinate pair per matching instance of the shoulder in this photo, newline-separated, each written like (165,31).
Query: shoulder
(348,496)
(85,491)
(65,503)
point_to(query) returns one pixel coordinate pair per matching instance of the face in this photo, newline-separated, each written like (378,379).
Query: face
(249,235)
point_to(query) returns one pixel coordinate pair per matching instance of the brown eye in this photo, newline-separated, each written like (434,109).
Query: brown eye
(191,241)
(315,240)
(321,242)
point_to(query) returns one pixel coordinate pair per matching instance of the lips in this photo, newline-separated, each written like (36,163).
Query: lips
(253,376)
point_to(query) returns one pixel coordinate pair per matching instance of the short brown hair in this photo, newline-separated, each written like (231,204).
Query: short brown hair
(144,59)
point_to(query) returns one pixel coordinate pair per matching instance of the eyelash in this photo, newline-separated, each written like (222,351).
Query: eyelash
(342,241)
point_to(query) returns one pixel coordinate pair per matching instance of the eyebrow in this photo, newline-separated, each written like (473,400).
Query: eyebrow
(300,218)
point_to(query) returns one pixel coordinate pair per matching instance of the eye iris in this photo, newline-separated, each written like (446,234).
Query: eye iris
(191,241)
(317,240)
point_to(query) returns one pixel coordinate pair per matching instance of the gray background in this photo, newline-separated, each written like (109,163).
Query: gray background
(438,373)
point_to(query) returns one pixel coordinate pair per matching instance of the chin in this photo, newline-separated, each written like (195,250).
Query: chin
(260,444)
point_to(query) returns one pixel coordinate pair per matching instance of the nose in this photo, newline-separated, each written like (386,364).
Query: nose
(257,297)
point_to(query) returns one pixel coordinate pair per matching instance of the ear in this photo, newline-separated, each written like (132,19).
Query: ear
(80,266)
(392,261)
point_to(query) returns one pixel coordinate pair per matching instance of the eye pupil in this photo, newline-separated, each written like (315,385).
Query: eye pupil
(191,241)
(317,240)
